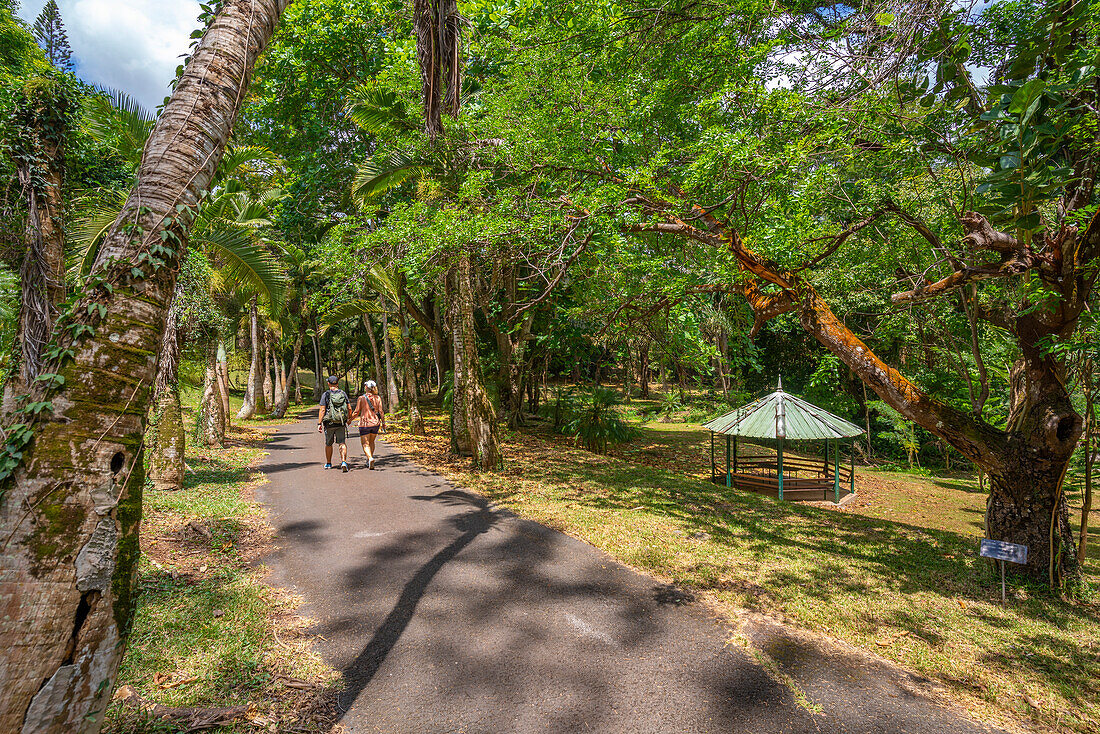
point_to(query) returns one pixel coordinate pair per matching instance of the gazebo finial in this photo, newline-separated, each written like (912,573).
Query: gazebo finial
(780,386)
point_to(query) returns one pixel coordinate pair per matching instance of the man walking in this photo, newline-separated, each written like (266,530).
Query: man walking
(332,419)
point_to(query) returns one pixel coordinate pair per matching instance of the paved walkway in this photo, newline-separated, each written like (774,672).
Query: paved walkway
(447,615)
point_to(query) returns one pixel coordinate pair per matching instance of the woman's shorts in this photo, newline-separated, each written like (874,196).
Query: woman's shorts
(367,431)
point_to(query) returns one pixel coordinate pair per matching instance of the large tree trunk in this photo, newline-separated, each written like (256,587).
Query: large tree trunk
(42,276)
(211,410)
(481,419)
(252,389)
(284,398)
(169,439)
(71,507)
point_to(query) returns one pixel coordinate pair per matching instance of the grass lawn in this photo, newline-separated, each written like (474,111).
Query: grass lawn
(208,631)
(894,575)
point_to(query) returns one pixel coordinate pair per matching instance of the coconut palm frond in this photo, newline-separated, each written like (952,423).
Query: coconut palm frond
(385,172)
(246,263)
(376,110)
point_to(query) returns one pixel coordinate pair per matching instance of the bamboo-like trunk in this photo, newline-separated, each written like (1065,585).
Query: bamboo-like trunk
(252,390)
(71,509)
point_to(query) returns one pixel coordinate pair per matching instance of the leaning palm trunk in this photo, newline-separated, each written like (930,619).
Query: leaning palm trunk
(481,419)
(284,397)
(248,407)
(72,476)
(169,439)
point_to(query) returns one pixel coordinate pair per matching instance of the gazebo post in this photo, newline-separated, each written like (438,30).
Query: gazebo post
(729,477)
(712,473)
(735,454)
(853,478)
(779,471)
(836,472)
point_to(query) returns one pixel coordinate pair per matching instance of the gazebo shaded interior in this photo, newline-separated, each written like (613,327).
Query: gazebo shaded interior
(785,447)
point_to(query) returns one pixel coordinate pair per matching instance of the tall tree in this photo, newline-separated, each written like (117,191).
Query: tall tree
(75,460)
(44,108)
(49,31)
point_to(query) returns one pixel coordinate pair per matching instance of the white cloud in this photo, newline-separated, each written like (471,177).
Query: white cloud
(132,45)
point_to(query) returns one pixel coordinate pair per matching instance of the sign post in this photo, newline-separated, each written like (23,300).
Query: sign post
(1002,551)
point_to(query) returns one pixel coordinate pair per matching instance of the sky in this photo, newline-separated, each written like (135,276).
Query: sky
(132,45)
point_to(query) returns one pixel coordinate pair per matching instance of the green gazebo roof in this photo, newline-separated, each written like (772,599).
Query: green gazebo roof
(782,415)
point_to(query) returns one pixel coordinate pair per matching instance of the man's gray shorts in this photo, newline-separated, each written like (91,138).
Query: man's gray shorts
(335,433)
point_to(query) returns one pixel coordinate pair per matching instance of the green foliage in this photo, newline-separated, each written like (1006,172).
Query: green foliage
(592,419)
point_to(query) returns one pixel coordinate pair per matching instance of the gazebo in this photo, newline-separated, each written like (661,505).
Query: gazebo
(775,422)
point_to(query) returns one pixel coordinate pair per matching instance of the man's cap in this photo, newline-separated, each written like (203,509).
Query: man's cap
(371,384)
(333,379)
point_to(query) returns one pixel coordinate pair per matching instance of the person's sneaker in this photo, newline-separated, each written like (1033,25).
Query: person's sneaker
(370,463)
(328,466)
(344,467)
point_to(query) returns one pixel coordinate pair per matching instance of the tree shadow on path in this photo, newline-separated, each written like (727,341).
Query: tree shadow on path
(478,520)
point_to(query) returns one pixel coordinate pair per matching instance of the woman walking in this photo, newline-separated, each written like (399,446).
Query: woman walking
(372,419)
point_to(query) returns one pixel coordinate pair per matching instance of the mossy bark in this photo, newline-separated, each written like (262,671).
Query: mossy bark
(166,465)
(168,440)
(70,512)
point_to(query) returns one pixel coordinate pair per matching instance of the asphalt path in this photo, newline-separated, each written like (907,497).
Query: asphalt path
(447,615)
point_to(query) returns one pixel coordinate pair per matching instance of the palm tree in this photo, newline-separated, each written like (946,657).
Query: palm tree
(73,454)
(226,229)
